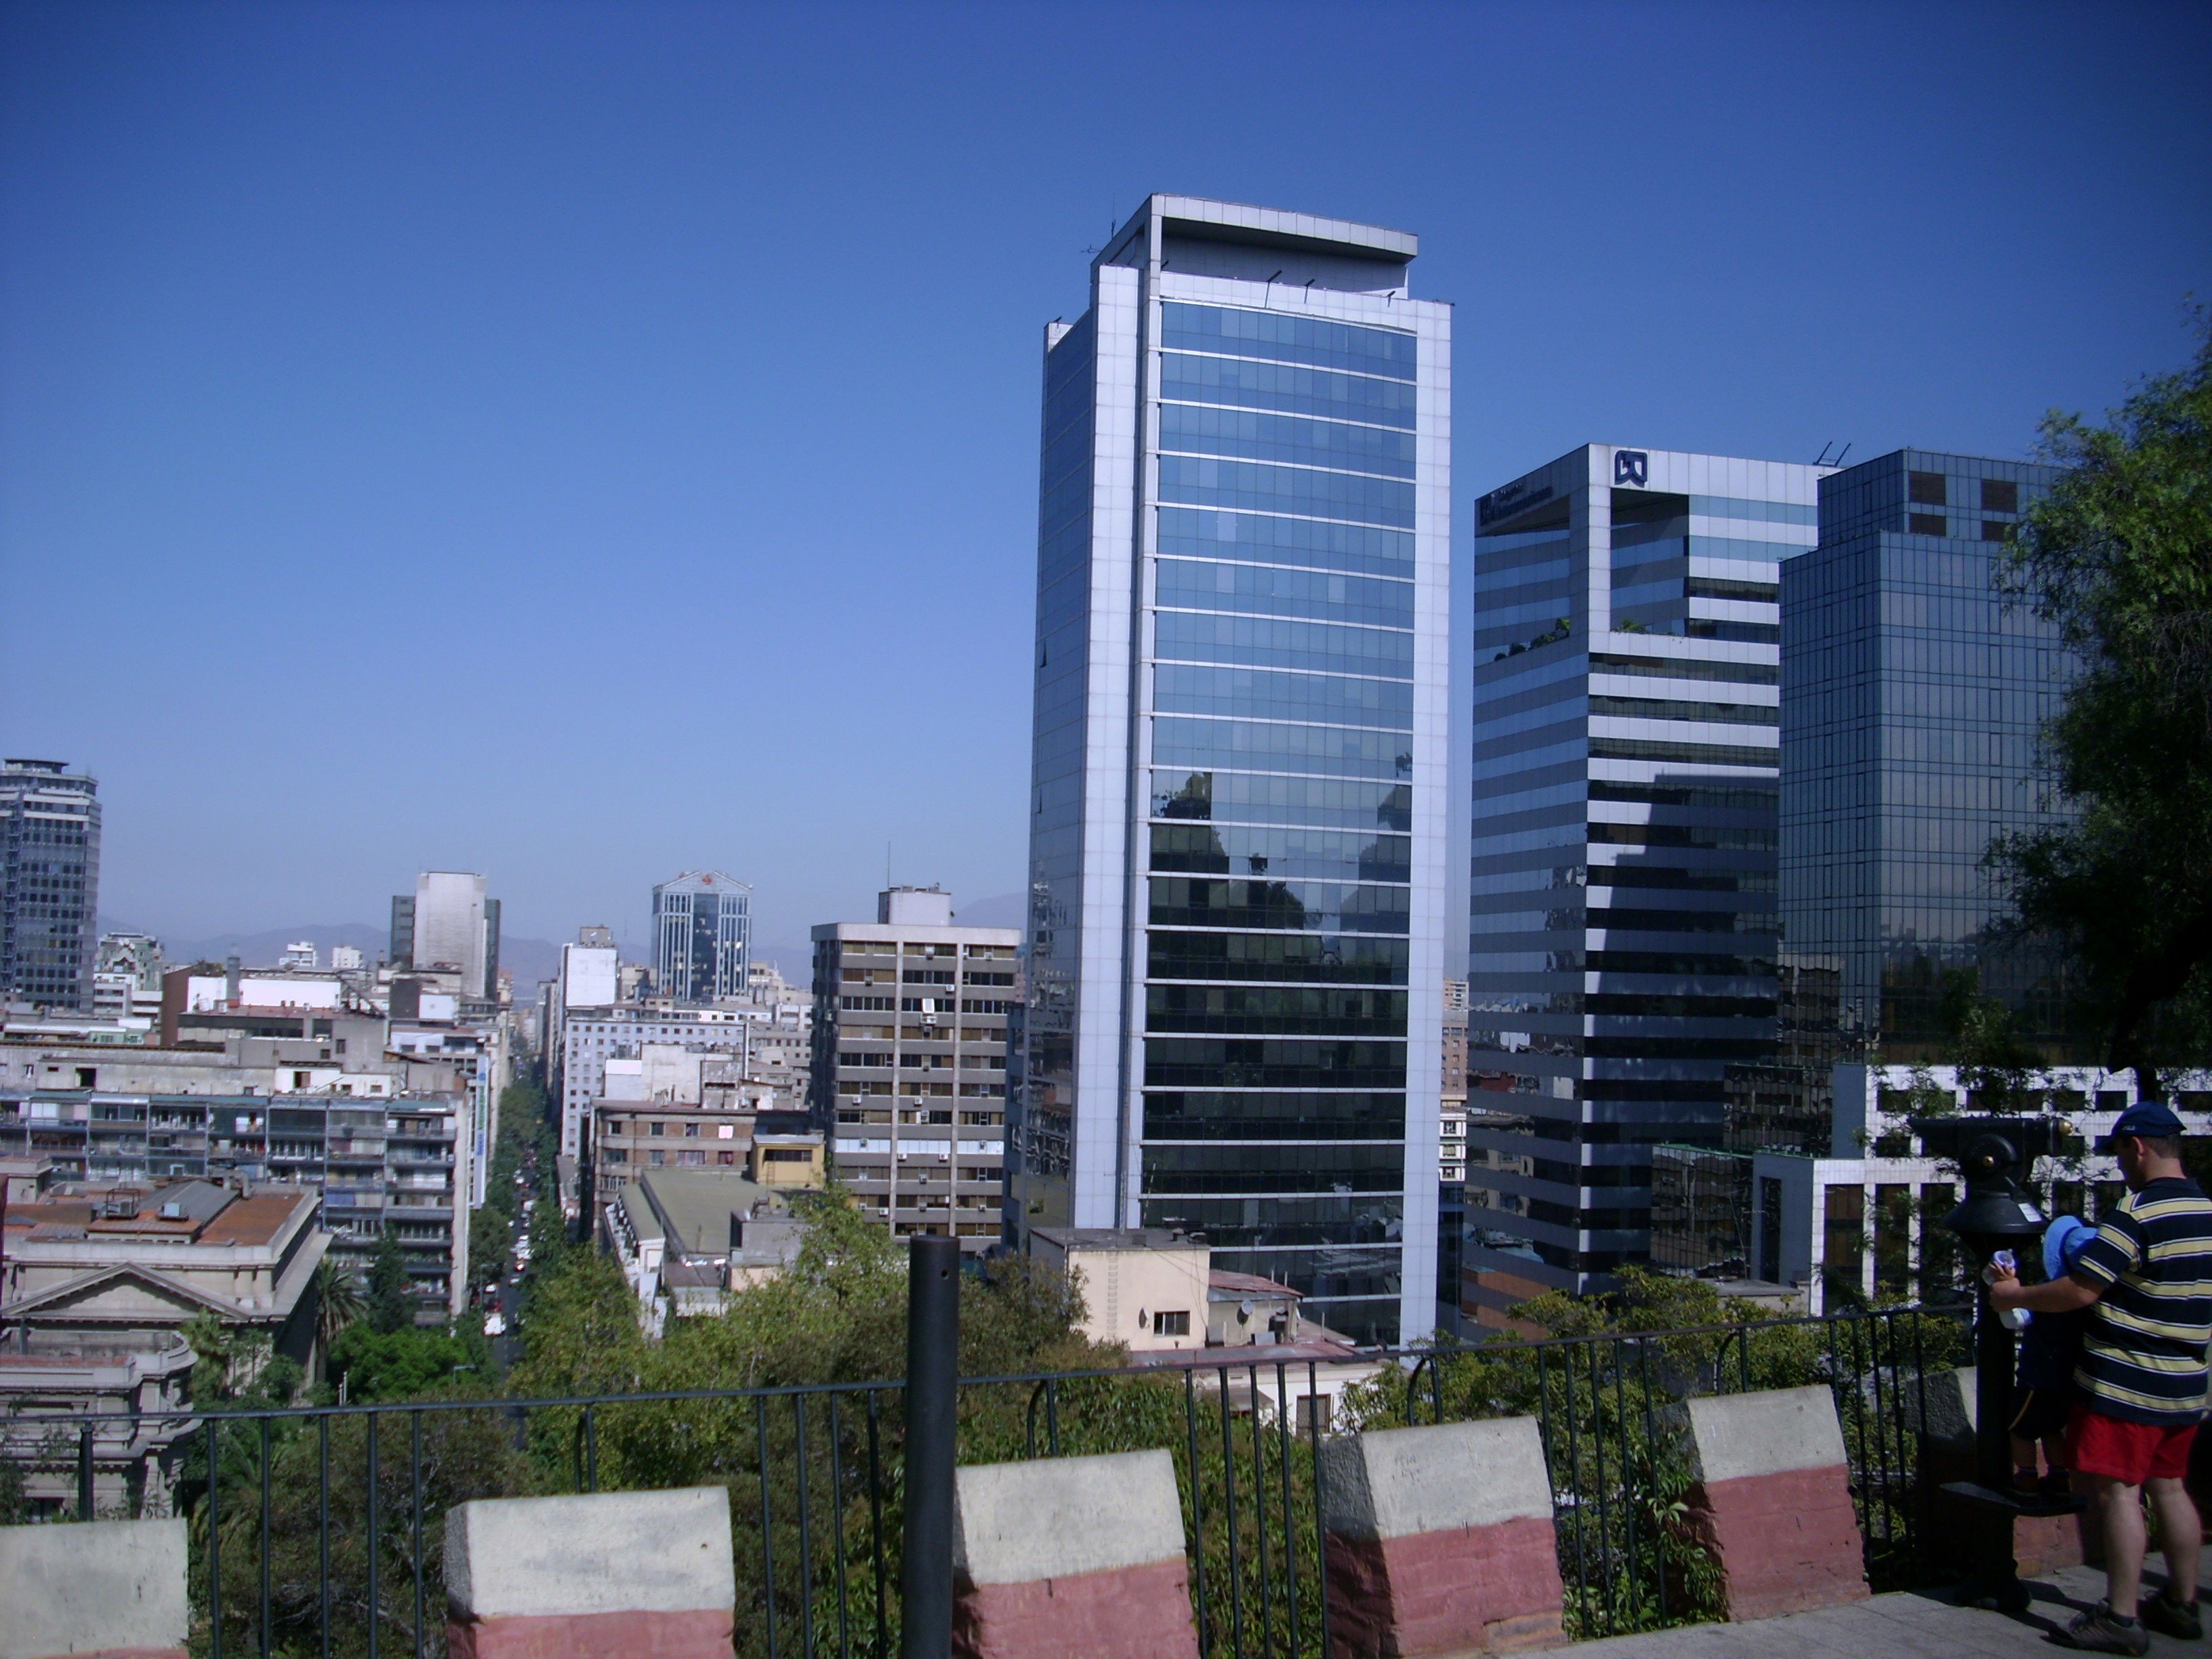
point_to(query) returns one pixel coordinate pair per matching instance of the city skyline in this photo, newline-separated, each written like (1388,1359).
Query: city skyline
(298,397)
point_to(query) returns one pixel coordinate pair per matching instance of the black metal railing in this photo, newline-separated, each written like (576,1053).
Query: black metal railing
(318,1531)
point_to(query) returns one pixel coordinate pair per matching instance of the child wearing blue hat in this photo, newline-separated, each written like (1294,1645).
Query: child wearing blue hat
(2050,1349)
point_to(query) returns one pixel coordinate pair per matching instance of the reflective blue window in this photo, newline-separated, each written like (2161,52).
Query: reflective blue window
(1179,688)
(1264,488)
(1329,751)
(1299,854)
(1294,390)
(1286,438)
(1265,590)
(1362,549)
(1261,642)
(1256,797)
(1288,339)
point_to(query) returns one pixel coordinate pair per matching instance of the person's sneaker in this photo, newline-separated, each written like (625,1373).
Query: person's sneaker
(2176,1619)
(2098,1632)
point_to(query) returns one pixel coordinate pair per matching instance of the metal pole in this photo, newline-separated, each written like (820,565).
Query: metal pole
(932,1342)
(84,1472)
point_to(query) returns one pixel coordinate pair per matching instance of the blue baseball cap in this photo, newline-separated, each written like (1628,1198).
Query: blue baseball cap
(2145,1117)
(2064,1240)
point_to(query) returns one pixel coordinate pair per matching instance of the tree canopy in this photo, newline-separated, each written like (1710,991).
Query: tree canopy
(2118,558)
(391,1306)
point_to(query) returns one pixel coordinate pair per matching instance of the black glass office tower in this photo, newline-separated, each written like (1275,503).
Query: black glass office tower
(49,884)
(1237,874)
(1621,945)
(1913,699)
(702,937)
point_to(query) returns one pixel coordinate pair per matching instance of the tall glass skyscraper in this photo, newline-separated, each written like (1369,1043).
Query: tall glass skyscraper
(1237,844)
(702,937)
(1622,912)
(1913,700)
(49,884)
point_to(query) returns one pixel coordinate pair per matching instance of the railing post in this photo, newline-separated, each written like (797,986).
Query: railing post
(932,1344)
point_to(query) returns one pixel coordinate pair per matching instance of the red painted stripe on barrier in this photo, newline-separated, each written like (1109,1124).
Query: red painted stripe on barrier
(1131,1612)
(1496,1589)
(1787,1542)
(704,1633)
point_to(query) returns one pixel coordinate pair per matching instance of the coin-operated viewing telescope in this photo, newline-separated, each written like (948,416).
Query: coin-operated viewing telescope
(1999,1212)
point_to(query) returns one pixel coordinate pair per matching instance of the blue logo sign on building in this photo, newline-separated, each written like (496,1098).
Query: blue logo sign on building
(1631,466)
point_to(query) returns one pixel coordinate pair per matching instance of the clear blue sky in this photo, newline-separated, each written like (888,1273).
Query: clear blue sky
(581,442)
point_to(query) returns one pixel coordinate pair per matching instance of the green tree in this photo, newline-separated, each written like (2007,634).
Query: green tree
(391,1304)
(2119,559)
(338,1302)
(407,1364)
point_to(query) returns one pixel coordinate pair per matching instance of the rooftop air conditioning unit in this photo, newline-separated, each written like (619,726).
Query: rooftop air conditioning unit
(172,1211)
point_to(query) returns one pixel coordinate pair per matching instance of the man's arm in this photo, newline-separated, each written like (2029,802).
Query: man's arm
(2067,1295)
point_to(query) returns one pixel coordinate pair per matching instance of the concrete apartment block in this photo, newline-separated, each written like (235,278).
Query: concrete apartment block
(632,1574)
(1071,1558)
(100,1590)
(1772,1499)
(1440,1541)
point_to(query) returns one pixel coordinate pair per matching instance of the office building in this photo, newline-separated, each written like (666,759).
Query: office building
(909,1073)
(1914,702)
(1860,1220)
(1237,798)
(588,972)
(590,1037)
(49,884)
(448,923)
(1622,924)
(701,938)
(675,1107)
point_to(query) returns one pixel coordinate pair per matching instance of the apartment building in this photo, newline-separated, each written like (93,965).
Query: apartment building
(909,1066)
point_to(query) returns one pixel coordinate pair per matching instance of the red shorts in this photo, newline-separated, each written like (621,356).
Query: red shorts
(2130,1453)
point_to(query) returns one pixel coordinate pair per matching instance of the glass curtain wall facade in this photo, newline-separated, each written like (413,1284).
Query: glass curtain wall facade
(1622,854)
(1235,940)
(49,884)
(1913,700)
(702,937)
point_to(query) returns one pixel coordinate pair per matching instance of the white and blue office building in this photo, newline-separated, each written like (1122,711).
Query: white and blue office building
(1238,802)
(1621,927)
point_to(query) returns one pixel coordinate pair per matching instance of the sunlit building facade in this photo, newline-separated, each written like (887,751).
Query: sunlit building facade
(1622,940)
(1914,700)
(1236,943)
(702,937)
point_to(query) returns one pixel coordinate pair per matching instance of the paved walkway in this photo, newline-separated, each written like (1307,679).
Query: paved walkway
(1908,1624)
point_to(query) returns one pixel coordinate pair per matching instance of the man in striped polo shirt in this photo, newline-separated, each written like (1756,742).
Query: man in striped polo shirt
(2149,1274)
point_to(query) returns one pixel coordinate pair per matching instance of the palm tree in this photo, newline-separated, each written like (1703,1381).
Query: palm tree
(338,1302)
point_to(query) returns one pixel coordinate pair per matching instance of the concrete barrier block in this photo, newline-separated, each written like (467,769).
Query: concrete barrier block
(1071,1558)
(1440,1540)
(1772,1499)
(98,1589)
(634,1575)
